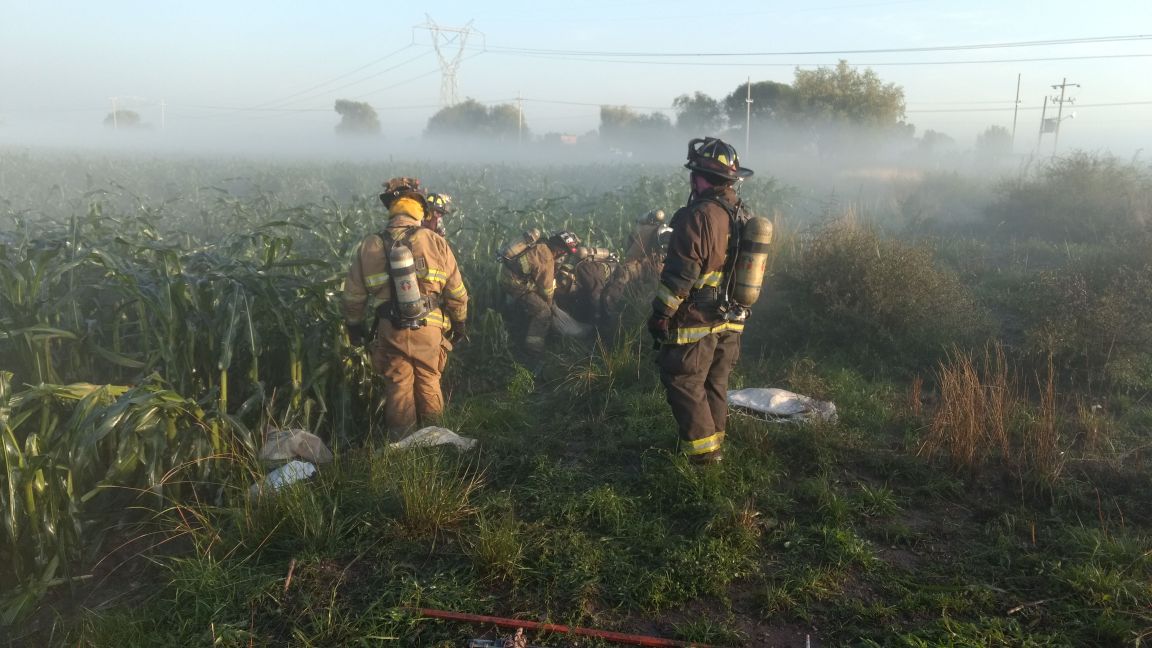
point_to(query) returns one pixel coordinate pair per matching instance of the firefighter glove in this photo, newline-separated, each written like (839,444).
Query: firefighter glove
(658,327)
(459,333)
(356,334)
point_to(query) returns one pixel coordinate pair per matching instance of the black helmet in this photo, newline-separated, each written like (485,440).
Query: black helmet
(717,158)
(403,187)
(564,240)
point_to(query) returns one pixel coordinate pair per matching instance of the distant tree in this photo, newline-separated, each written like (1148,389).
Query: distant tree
(934,142)
(356,118)
(770,101)
(844,109)
(698,114)
(470,118)
(622,126)
(994,143)
(123,119)
(846,94)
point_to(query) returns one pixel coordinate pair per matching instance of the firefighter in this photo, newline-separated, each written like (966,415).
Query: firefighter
(439,206)
(637,274)
(699,340)
(409,327)
(580,282)
(529,282)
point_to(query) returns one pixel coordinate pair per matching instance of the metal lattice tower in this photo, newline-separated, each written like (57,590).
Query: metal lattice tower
(445,40)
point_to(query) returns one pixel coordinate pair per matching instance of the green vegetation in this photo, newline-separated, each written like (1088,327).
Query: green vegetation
(157,317)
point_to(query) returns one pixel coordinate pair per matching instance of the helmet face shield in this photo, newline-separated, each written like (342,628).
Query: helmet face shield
(716,158)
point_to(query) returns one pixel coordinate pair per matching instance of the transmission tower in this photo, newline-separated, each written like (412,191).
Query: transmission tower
(449,43)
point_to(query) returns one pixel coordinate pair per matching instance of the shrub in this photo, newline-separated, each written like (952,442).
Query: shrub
(1079,198)
(1094,318)
(853,289)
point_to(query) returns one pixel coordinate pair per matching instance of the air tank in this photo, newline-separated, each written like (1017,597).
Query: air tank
(652,217)
(595,253)
(410,304)
(515,248)
(751,261)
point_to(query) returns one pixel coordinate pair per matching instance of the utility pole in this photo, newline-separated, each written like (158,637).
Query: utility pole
(748,118)
(442,38)
(1043,112)
(163,120)
(115,109)
(519,119)
(1060,110)
(1015,110)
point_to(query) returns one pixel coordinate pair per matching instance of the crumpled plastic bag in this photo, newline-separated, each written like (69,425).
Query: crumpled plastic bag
(434,436)
(282,445)
(289,473)
(781,405)
(569,326)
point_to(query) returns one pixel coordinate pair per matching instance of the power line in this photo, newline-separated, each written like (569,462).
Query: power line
(336,78)
(970,110)
(822,63)
(892,50)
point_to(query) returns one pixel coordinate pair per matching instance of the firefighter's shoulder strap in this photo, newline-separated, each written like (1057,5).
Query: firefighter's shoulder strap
(737,217)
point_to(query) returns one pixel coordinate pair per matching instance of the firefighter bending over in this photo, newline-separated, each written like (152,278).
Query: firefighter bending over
(404,298)
(581,280)
(529,282)
(694,322)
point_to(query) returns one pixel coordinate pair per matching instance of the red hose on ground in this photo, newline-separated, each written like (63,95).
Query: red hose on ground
(619,637)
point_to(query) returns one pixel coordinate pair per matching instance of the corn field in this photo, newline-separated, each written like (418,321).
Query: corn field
(156,317)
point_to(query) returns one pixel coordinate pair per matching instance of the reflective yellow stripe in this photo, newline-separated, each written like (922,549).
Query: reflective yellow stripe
(703,446)
(458,292)
(376,280)
(690,334)
(709,279)
(434,275)
(668,298)
(436,318)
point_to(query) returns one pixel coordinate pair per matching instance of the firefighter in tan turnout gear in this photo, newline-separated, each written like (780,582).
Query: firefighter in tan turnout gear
(404,297)
(529,282)
(695,321)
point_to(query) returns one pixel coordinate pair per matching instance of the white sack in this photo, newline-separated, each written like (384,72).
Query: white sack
(289,473)
(434,436)
(283,445)
(567,325)
(781,405)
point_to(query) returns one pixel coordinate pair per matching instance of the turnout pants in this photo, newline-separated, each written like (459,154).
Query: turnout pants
(411,361)
(532,316)
(695,378)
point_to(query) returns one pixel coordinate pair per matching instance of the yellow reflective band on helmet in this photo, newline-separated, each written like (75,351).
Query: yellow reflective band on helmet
(702,446)
(668,298)
(376,280)
(723,159)
(709,279)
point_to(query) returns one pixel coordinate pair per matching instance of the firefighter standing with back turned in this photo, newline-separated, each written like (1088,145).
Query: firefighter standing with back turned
(404,297)
(694,321)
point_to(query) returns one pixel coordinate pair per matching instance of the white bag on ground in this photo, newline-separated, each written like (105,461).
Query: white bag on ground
(781,405)
(289,473)
(568,325)
(282,445)
(434,436)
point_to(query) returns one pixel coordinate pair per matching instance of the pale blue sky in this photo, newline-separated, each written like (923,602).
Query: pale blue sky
(60,62)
